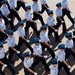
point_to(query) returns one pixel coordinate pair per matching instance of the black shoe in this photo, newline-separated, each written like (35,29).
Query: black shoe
(58,40)
(2,73)
(15,73)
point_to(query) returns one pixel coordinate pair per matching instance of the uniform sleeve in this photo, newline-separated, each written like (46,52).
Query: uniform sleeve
(42,38)
(9,43)
(48,22)
(27,17)
(3,12)
(57,14)
(60,58)
(34,49)
(34,9)
(25,65)
(52,72)
(19,32)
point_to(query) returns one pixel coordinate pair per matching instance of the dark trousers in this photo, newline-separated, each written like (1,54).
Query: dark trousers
(2,36)
(1,70)
(20,43)
(5,61)
(37,16)
(67,13)
(19,5)
(68,53)
(61,64)
(32,25)
(49,49)
(44,8)
(11,22)
(15,14)
(55,33)
(37,60)
(59,24)
(11,53)
(27,72)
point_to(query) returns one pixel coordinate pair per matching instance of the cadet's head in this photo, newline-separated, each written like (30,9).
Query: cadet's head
(53,61)
(28,8)
(35,1)
(1,17)
(61,47)
(36,41)
(26,55)
(44,28)
(21,24)
(69,35)
(58,5)
(50,13)
(1,45)
(10,33)
(4,3)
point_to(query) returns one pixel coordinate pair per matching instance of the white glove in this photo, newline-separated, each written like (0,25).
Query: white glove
(9,19)
(28,41)
(40,14)
(35,73)
(56,30)
(62,21)
(35,21)
(69,66)
(18,52)
(45,56)
(39,40)
(4,66)
(50,46)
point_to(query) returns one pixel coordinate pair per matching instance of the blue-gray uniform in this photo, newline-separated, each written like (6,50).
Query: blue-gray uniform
(39,54)
(2,29)
(61,59)
(4,59)
(51,26)
(59,17)
(7,15)
(28,64)
(54,67)
(45,41)
(20,3)
(22,36)
(36,12)
(13,48)
(13,10)
(29,21)
(69,45)
(44,6)
(66,11)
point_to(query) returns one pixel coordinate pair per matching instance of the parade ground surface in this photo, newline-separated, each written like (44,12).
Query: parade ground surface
(39,68)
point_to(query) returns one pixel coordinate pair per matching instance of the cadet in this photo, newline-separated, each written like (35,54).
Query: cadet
(3,34)
(54,67)
(36,12)
(66,11)
(39,54)
(13,48)
(20,3)
(22,36)
(28,64)
(61,59)
(13,10)
(4,59)
(6,15)
(69,45)
(59,17)
(45,41)
(44,6)
(29,21)
(51,26)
